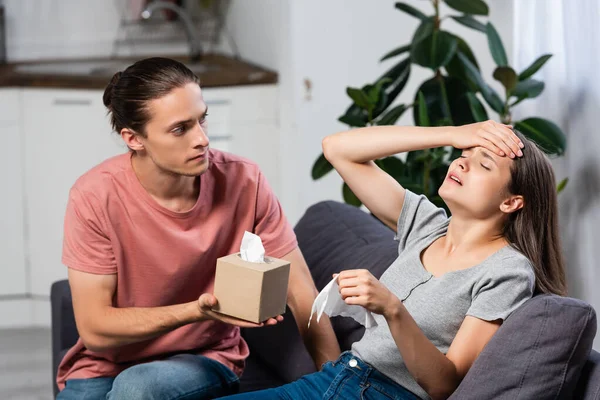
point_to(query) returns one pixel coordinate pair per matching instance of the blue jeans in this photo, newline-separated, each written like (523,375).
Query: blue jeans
(184,376)
(347,378)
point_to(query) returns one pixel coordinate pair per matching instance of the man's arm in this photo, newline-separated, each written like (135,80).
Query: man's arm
(320,339)
(102,326)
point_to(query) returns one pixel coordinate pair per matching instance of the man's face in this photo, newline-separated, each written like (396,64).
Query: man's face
(176,138)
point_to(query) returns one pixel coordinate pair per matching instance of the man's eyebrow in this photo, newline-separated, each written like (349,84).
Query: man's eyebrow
(187,121)
(176,124)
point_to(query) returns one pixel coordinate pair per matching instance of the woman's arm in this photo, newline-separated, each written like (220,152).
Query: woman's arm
(352,154)
(438,374)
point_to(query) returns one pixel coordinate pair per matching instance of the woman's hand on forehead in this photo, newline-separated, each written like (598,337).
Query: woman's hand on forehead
(493,136)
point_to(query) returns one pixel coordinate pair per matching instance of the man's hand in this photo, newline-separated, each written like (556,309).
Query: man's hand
(207,301)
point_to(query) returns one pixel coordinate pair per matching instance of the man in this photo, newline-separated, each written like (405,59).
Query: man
(142,234)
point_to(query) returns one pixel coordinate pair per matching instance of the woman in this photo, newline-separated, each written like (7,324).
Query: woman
(456,279)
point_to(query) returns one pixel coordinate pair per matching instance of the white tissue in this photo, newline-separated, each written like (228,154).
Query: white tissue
(252,248)
(330,302)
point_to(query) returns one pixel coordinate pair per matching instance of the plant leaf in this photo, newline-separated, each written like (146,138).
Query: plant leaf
(437,108)
(399,75)
(477,109)
(392,115)
(435,51)
(352,121)
(424,30)
(423,117)
(359,97)
(496,46)
(411,10)
(492,98)
(374,91)
(560,187)
(393,166)
(456,69)
(396,52)
(349,196)
(321,167)
(489,94)
(545,133)
(477,7)
(470,22)
(533,68)
(528,89)
(507,76)
(355,113)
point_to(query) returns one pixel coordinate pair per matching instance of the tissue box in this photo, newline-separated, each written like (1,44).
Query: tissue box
(251,291)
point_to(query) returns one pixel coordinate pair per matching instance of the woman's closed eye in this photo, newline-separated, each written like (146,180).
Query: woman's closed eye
(484,166)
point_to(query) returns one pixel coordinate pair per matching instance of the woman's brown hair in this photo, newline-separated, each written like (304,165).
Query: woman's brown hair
(533,230)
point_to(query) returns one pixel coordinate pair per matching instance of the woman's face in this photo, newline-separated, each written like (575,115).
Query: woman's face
(176,135)
(476,183)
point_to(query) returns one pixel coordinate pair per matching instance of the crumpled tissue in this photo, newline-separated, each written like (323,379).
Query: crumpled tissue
(330,302)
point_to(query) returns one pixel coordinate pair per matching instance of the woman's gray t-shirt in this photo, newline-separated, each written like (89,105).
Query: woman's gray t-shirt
(490,290)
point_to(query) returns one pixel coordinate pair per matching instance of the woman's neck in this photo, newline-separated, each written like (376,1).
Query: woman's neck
(466,234)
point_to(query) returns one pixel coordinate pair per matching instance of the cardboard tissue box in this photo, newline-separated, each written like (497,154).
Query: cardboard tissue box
(250,286)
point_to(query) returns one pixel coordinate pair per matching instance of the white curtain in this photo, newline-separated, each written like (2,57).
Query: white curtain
(569,29)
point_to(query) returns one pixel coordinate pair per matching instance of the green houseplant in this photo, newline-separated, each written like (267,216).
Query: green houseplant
(453,95)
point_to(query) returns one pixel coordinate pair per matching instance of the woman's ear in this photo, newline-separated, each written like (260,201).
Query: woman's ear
(131,139)
(512,204)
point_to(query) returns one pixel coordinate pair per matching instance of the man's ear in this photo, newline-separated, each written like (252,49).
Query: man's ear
(512,204)
(132,139)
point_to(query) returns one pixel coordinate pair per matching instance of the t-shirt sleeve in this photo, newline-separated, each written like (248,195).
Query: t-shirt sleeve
(418,219)
(270,224)
(86,246)
(503,290)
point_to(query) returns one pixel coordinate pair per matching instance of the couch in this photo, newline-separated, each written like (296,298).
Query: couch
(542,351)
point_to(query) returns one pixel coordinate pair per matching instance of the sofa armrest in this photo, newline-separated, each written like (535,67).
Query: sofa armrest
(588,386)
(64,330)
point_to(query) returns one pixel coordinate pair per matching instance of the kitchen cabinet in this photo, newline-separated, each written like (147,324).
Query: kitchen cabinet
(67,132)
(13,281)
(247,117)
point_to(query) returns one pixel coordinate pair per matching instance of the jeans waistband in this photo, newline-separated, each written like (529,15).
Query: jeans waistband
(368,374)
(360,367)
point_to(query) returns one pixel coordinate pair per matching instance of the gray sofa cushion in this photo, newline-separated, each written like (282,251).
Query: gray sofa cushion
(538,353)
(588,386)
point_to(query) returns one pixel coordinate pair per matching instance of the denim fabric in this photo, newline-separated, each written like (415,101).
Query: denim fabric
(184,376)
(347,378)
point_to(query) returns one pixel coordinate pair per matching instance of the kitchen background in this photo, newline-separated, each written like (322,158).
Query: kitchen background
(273,98)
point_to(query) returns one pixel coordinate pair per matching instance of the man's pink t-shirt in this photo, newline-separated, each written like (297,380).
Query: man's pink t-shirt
(161,257)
